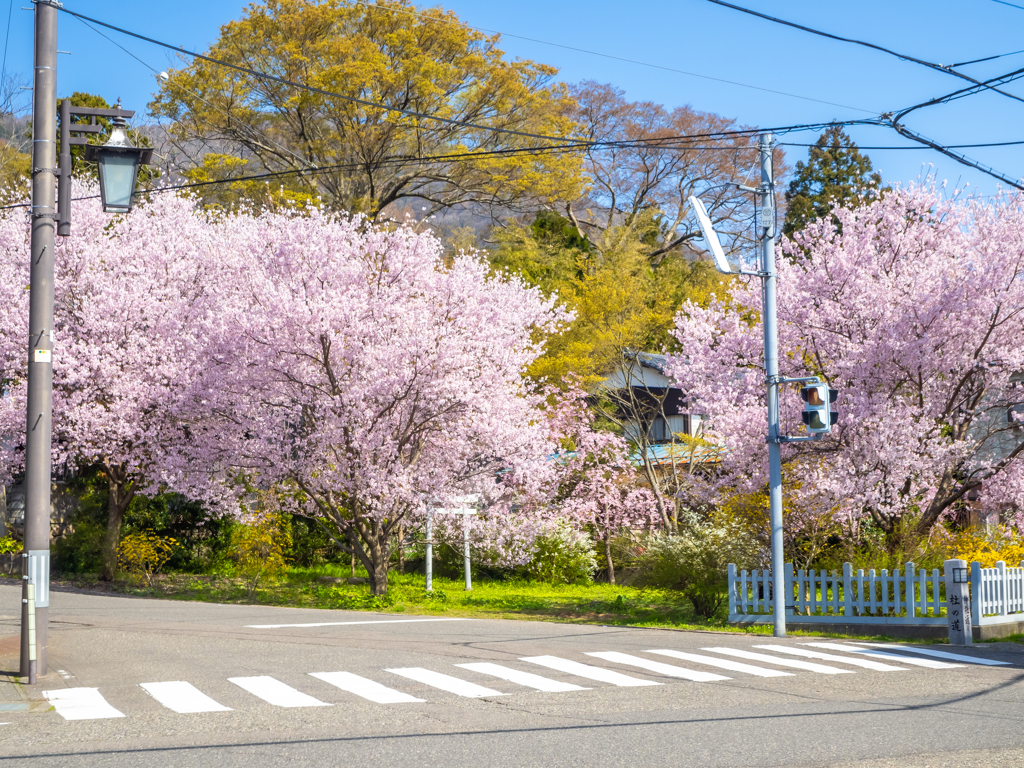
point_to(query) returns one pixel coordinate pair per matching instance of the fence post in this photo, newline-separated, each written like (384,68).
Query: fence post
(787,581)
(908,580)
(847,589)
(958,598)
(1001,590)
(977,595)
(732,591)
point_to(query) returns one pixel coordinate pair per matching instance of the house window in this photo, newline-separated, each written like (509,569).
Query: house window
(664,427)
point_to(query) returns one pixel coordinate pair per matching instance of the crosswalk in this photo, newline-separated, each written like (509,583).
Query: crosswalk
(183,697)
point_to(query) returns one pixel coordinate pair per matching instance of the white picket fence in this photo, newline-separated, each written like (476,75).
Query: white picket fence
(997,594)
(905,596)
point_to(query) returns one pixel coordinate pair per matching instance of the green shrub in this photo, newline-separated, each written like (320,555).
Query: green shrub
(564,555)
(695,562)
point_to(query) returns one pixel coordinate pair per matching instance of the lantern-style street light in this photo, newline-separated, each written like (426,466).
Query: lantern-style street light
(119,163)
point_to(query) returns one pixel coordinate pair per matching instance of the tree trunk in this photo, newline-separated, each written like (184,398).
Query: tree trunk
(379,575)
(608,558)
(353,564)
(401,549)
(120,492)
(376,560)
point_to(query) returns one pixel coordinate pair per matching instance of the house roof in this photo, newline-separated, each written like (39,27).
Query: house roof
(679,453)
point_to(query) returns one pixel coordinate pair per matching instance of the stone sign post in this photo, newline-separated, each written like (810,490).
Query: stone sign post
(958,602)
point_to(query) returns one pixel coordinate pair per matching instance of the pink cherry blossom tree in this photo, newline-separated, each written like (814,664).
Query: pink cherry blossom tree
(130,293)
(913,307)
(364,376)
(599,487)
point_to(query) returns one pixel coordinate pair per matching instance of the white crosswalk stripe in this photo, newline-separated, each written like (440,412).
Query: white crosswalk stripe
(367,689)
(959,657)
(735,666)
(446,682)
(527,679)
(587,671)
(877,666)
(810,666)
(670,670)
(275,692)
(883,655)
(81,704)
(182,697)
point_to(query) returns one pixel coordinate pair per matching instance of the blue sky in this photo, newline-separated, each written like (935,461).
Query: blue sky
(691,35)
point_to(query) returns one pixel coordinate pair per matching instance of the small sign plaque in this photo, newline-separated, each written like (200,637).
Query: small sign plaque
(41,356)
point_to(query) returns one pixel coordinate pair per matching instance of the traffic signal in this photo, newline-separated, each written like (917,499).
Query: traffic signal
(817,414)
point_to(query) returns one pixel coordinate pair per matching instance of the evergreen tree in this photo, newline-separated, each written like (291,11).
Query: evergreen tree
(835,171)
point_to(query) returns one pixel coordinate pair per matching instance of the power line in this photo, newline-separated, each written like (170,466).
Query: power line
(1009,77)
(961,158)
(987,58)
(948,69)
(948,146)
(440,20)
(894,121)
(427,116)
(1003,2)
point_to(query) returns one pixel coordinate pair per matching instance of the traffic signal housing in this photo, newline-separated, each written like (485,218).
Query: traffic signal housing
(818,415)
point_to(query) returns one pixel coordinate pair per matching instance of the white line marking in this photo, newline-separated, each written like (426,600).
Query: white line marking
(446,682)
(275,692)
(182,697)
(656,666)
(940,654)
(81,704)
(883,655)
(587,671)
(346,623)
(810,666)
(528,679)
(368,689)
(735,666)
(865,663)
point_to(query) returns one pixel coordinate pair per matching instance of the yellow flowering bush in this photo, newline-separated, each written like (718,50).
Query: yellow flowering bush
(988,547)
(258,549)
(142,555)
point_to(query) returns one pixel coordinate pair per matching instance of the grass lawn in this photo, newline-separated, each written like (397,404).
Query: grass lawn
(326,588)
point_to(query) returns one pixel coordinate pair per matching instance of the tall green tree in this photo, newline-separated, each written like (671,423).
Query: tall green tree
(835,172)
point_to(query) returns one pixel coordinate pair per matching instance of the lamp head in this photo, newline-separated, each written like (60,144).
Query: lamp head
(118,163)
(710,236)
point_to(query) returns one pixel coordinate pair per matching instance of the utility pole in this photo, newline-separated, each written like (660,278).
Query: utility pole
(771,370)
(40,342)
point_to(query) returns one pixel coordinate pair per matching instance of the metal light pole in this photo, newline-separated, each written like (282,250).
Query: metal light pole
(118,163)
(769,278)
(40,342)
(771,369)
(430,549)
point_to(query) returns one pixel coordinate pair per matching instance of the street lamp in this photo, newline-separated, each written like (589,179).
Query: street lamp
(51,216)
(119,163)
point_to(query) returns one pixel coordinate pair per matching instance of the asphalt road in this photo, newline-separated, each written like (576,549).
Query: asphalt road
(264,705)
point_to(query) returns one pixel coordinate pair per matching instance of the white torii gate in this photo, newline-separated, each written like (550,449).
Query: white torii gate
(465,509)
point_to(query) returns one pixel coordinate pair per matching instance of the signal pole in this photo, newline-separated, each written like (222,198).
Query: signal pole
(36,557)
(771,370)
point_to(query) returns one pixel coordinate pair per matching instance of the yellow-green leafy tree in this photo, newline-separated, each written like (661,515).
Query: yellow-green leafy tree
(624,305)
(388,53)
